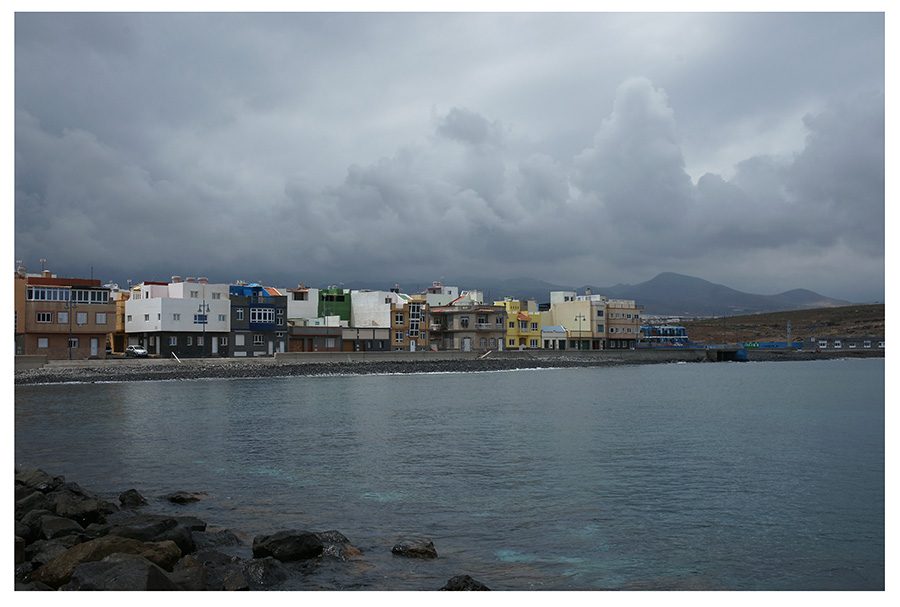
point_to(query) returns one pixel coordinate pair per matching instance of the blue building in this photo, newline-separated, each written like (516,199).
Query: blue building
(668,336)
(258,326)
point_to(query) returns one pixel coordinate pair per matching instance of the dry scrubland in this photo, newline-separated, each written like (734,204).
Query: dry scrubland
(848,321)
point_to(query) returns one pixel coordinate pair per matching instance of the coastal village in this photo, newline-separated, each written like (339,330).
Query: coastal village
(189,317)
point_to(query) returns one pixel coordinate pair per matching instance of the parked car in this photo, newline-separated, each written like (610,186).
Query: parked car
(135,351)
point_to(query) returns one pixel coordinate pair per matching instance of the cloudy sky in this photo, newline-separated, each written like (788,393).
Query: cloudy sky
(594,148)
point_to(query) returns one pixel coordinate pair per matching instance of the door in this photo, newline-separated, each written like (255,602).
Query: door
(215,345)
(467,344)
(93,346)
(271,348)
(412,345)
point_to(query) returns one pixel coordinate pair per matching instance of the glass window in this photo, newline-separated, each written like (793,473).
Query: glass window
(101,318)
(62,317)
(45,316)
(173,340)
(43,342)
(239,314)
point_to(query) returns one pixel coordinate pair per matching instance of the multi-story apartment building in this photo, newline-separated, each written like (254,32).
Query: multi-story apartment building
(623,320)
(62,318)
(184,318)
(118,339)
(523,323)
(258,320)
(410,323)
(468,324)
(582,316)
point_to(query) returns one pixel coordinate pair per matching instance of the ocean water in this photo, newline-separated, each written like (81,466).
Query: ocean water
(738,476)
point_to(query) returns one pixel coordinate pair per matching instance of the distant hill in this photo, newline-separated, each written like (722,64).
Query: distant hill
(668,294)
(671,294)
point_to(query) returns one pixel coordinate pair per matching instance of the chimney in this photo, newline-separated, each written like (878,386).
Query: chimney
(190,279)
(176,279)
(587,291)
(46,274)
(203,280)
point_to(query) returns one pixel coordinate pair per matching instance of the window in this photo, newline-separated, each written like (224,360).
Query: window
(599,313)
(152,340)
(200,340)
(262,315)
(101,318)
(823,344)
(512,324)
(159,317)
(493,342)
(279,335)
(329,342)
(195,294)
(45,316)
(62,317)
(173,340)
(190,340)
(523,325)
(128,318)
(146,318)
(512,342)
(239,314)
(199,319)
(222,318)
(534,326)
(43,342)
(398,318)
(73,342)
(464,322)
(176,317)
(483,342)
(301,296)
(217,296)
(47,294)
(867,344)
(398,337)
(599,328)
(534,343)
(259,339)
(238,340)
(223,341)
(837,343)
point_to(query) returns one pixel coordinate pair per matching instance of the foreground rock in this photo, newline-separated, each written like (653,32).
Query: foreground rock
(69,539)
(464,582)
(415,548)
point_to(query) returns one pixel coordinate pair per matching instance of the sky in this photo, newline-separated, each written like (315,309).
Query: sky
(747,149)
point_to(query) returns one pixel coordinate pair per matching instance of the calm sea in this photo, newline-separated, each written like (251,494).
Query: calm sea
(743,476)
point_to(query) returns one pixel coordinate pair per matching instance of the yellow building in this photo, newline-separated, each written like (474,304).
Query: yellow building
(523,324)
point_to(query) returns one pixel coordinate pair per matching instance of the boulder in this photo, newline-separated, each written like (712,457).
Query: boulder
(336,545)
(182,497)
(415,548)
(132,499)
(38,479)
(25,532)
(83,510)
(204,540)
(33,501)
(58,571)
(265,573)
(290,545)
(120,572)
(57,526)
(42,551)
(464,582)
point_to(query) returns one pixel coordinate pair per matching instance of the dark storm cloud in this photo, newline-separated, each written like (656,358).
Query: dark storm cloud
(384,147)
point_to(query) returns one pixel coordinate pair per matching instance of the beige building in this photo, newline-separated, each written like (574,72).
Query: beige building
(62,318)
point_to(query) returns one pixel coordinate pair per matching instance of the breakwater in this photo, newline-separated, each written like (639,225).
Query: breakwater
(365,363)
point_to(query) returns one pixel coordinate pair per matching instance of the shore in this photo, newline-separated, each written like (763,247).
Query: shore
(120,369)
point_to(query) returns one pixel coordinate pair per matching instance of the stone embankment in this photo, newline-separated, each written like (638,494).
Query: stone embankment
(68,538)
(154,369)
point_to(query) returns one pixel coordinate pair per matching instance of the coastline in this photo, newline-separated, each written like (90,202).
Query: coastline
(131,370)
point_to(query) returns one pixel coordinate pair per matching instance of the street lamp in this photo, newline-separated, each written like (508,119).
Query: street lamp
(202,316)
(579,318)
(71,306)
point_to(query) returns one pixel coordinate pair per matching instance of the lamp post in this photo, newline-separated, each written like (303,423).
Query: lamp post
(579,318)
(71,306)
(202,316)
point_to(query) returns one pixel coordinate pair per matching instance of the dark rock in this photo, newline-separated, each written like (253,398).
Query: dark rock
(142,527)
(183,497)
(38,479)
(32,586)
(25,532)
(19,550)
(464,582)
(42,551)
(191,578)
(33,501)
(236,580)
(290,545)
(265,573)
(204,540)
(33,519)
(132,499)
(120,572)
(336,545)
(83,510)
(415,548)
(58,526)
(59,569)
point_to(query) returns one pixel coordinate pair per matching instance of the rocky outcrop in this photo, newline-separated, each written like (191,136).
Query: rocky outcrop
(464,582)
(415,548)
(69,539)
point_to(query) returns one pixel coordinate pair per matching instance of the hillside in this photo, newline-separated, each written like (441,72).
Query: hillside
(847,321)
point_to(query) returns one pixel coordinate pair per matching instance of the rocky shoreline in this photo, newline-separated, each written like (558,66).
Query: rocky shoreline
(248,370)
(266,368)
(67,538)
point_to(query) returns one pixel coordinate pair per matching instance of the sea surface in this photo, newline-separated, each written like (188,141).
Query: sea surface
(739,476)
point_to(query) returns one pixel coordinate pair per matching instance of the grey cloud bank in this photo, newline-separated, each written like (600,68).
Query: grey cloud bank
(746,149)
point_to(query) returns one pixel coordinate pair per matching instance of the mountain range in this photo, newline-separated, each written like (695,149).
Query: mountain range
(667,294)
